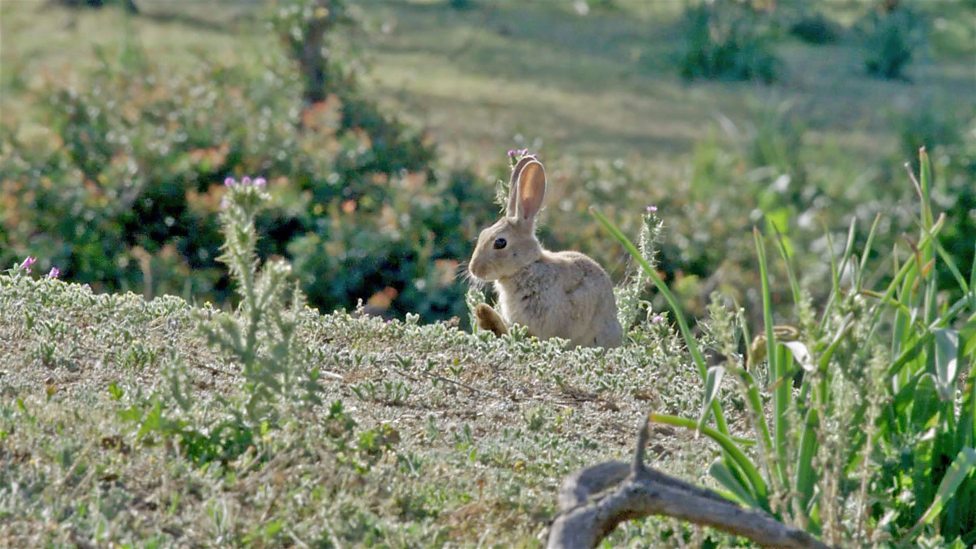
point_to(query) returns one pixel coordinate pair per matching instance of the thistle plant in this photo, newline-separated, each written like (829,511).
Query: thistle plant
(260,337)
(863,416)
(502,190)
(629,296)
(26,267)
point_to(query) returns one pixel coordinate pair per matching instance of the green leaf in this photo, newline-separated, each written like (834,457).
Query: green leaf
(961,467)
(777,362)
(925,401)
(757,487)
(713,382)
(946,361)
(967,338)
(724,476)
(754,401)
(806,474)
(801,354)
(966,428)
(787,254)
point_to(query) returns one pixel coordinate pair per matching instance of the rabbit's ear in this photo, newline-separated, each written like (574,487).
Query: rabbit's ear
(531,190)
(513,192)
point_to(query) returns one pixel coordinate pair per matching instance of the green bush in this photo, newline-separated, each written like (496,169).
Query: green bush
(891,42)
(815,28)
(123,193)
(727,40)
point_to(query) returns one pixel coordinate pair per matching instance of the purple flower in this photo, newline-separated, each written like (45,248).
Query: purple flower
(54,272)
(260,182)
(657,319)
(651,209)
(517,153)
(28,263)
(246,181)
(229,182)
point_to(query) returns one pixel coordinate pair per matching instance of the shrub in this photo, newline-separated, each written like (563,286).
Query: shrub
(727,40)
(892,38)
(306,28)
(815,28)
(123,195)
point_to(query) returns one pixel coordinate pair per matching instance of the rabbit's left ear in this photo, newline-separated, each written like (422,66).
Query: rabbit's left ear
(510,210)
(531,190)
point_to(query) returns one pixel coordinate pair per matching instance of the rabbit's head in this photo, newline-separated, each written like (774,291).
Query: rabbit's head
(510,244)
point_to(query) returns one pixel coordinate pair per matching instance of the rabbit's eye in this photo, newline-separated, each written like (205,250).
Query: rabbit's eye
(499,243)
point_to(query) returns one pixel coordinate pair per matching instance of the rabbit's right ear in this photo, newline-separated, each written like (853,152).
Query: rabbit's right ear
(513,191)
(531,190)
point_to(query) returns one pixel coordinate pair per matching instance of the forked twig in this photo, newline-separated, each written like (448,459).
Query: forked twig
(593,501)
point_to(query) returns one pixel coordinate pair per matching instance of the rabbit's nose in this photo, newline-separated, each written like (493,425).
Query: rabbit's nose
(476,269)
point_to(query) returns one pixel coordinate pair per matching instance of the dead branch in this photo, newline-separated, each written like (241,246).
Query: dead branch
(593,501)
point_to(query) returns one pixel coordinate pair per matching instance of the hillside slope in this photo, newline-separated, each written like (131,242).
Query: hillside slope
(457,438)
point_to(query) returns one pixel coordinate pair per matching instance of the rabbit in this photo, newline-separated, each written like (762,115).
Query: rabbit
(552,294)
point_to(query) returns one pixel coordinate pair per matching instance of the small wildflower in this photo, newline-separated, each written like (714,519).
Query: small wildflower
(651,209)
(246,181)
(229,182)
(514,155)
(657,319)
(28,263)
(260,182)
(54,272)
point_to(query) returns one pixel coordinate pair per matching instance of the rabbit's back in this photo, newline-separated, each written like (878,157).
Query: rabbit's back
(564,294)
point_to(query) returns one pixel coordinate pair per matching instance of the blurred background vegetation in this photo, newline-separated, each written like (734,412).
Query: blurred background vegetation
(382,126)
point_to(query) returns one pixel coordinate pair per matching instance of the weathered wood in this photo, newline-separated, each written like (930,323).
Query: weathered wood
(593,501)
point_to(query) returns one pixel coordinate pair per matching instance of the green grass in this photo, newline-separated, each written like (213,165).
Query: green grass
(603,85)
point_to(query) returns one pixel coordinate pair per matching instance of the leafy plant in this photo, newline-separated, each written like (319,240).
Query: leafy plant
(948,136)
(727,40)
(858,406)
(305,28)
(892,40)
(124,197)
(261,335)
(815,28)
(629,297)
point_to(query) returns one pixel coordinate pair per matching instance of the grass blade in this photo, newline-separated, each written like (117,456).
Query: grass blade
(805,475)
(790,273)
(757,486)
(713,382)
(866,253)
(724,476)
(679,316)
(946,361)
(777,370)
(961,467)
